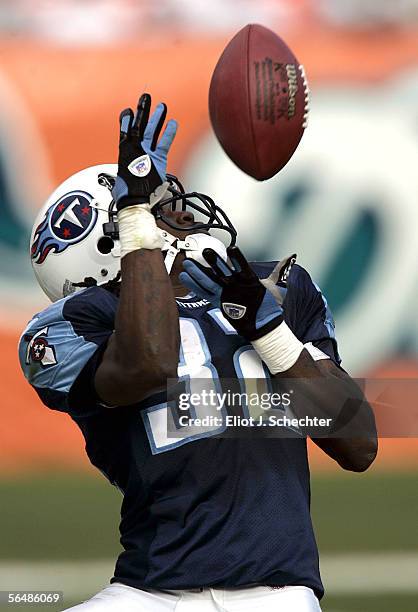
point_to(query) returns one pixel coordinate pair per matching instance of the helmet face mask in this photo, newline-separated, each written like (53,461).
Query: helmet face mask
(216,218)
(75,237)
(213,217)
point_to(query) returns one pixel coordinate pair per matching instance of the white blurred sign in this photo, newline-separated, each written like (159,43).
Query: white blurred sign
(347,203)
(364,13)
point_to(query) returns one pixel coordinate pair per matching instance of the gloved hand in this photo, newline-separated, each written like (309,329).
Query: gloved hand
(142,162)
(245,302)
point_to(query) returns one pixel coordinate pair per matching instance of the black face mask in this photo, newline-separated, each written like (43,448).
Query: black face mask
(212,216)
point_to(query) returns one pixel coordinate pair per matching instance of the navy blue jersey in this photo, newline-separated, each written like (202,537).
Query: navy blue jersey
(198,510)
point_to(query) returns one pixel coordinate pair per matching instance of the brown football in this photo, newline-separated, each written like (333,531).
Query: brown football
(258,101)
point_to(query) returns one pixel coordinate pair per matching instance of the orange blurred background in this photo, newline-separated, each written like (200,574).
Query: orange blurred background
(60,105)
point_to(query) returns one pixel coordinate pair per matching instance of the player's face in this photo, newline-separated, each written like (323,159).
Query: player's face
(183,219)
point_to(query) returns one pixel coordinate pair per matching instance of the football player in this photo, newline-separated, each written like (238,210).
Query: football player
(146,300)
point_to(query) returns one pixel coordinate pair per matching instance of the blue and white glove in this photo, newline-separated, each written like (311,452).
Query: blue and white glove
(252,306)
(142,162)
(245,302)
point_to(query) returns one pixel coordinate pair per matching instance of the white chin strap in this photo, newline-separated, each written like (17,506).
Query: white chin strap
(193,245)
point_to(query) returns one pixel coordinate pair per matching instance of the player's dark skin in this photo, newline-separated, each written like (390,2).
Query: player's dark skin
(143,351)
(144,348)
(325,391)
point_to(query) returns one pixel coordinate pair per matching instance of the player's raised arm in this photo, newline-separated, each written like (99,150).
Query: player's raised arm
(143,351)
(322,389)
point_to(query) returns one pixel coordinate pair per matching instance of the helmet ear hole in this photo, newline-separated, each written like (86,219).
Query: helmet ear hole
(105,244)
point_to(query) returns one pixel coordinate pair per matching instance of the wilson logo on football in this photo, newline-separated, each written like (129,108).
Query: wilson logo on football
(66,222)
(39,351)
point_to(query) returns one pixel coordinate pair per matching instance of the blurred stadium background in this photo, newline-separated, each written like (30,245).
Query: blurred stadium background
(347,203)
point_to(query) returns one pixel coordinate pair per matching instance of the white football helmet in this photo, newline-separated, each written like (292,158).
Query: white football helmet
(75,236)
(68,243)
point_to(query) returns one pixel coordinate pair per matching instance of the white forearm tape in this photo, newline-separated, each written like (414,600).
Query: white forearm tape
(138,229)
(279,349)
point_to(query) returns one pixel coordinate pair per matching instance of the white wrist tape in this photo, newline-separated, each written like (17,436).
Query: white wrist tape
(138,229)
(279,349)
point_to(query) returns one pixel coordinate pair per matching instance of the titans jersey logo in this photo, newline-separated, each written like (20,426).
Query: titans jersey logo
(66,222)
(39,350)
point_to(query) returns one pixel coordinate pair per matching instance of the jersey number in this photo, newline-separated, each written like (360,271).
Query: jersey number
(199,373)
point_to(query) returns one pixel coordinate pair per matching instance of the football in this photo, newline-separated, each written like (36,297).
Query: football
(258,101)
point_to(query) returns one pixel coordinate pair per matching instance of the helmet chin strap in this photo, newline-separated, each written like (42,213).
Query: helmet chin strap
(193,245)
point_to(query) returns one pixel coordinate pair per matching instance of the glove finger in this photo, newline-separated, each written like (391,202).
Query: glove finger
(168,136)
(202,276)
(125,123)
(217,264)
(141,117)
(238,260)
(154,127)
(190,283)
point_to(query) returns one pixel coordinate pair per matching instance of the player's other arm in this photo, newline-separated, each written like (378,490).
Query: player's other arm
(143,351)
(325,391)
(321,389)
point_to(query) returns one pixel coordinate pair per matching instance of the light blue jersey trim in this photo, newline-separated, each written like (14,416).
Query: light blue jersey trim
(71,351)
(329,319)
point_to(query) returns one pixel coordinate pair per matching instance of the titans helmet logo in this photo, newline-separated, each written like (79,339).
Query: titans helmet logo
(67,222)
